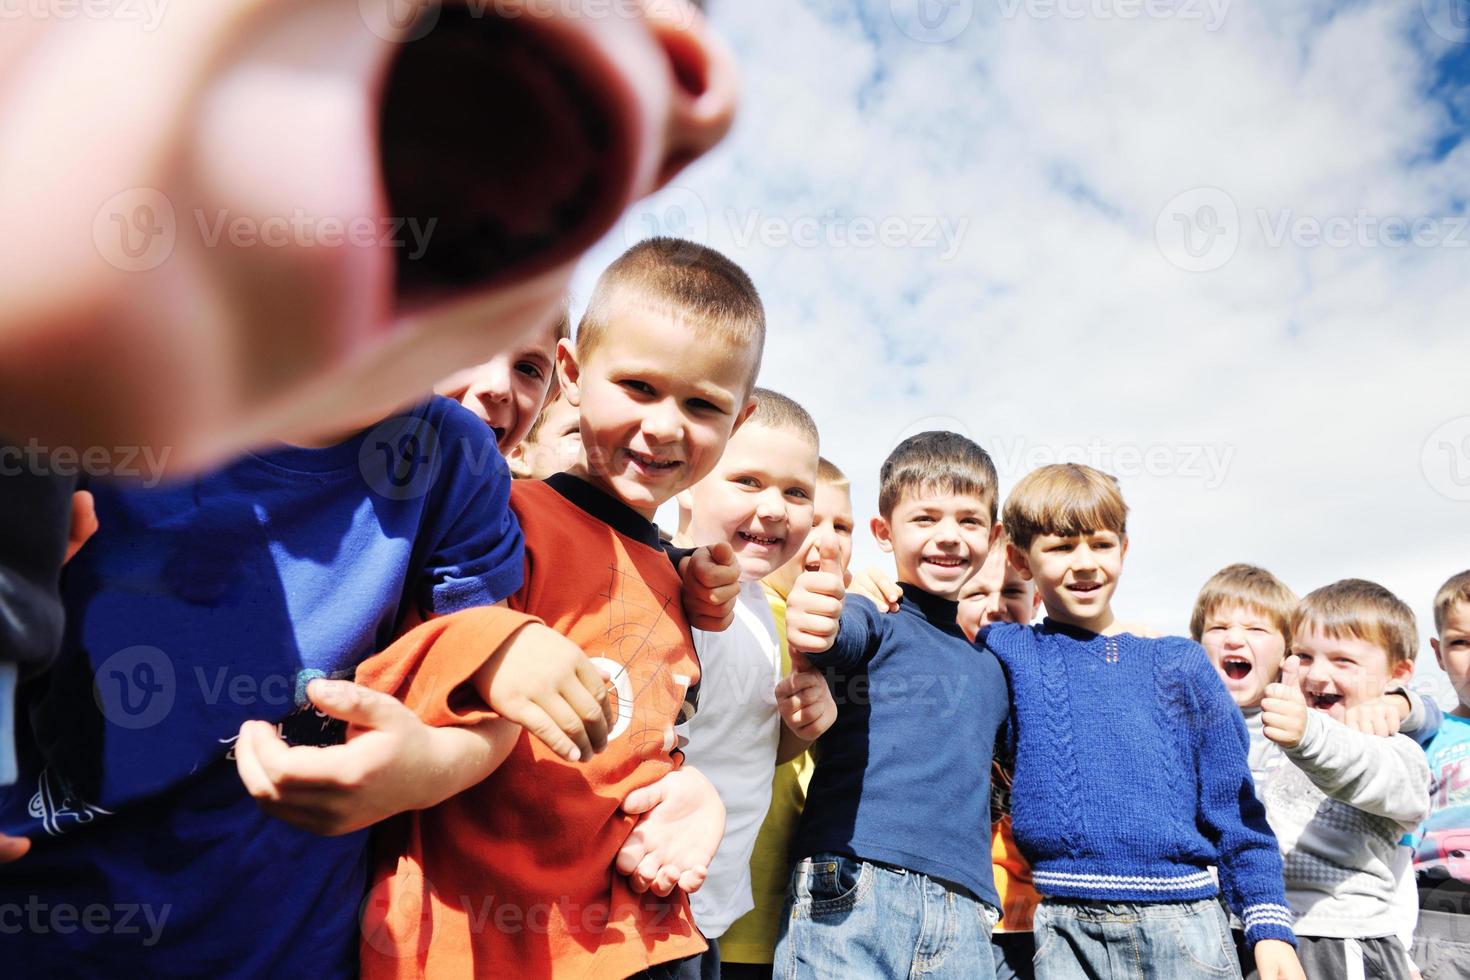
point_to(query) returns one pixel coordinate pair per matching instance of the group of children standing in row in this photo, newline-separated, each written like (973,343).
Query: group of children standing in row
(367,705)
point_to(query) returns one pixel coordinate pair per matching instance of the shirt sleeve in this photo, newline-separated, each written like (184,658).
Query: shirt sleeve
(1387,777)
(1424,720)
(858,633)
(430,668)
(1230,813)
(476,553)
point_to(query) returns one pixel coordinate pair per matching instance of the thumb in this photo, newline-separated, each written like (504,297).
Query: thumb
(830,557)
(644,799)
(721,553)
(355,704)
(1291,674)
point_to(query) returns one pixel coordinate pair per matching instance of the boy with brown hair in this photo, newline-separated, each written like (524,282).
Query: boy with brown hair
(1442,842)
(1131,780)
(516,875)
(1348,798)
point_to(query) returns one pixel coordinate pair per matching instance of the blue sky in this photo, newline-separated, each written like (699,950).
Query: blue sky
(1219,248)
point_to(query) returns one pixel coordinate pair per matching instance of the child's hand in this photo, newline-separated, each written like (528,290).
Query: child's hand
(391,762)
(875,584)
(1276,960)
(814,608)
(542,681)
(677,835)
(1381,716)
(83,521)
(13,848)
(711,584)
(1284,709)
(806,704)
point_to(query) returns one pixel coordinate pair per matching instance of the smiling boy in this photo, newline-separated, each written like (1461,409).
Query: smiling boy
(516,876)
(1131,779)
(759,499)
(894,878)
(1342,806)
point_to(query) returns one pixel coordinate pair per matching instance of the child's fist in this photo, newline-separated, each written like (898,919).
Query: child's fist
(1277,960)
(874,583)
(711,584)
(1381,716)
(542,681)
(680,823)
(814,607)
(1284,708)
(806,704)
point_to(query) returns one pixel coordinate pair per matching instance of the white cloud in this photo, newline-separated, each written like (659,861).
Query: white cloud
(1055,143)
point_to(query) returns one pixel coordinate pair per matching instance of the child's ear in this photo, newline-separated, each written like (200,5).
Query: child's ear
(883,534)
(520,469)
(569,372)
(1438,657)
(1123,546)
(1019,562)
(744,414)
(1403,670)
(996,531)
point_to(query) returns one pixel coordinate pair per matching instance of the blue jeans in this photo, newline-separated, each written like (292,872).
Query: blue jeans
(1077,940)
(849,919)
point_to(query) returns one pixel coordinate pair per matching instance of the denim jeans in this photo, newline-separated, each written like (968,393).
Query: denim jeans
(1078,940)
(850,919)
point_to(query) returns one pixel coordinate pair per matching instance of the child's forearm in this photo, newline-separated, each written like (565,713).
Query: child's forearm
(461,757)
(1373,774)
(791,745)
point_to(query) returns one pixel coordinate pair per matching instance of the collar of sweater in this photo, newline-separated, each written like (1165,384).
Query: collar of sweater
(939,611)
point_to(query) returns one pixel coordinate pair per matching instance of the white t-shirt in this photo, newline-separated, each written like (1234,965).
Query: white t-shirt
(733,739)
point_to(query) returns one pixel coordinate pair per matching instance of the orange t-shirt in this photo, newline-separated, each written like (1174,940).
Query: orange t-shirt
(1018,896)
(515,876)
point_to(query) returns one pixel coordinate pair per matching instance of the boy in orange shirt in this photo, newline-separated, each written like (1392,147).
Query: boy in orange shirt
(516,876)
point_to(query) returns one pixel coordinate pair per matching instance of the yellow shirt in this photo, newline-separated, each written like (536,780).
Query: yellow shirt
(752,937)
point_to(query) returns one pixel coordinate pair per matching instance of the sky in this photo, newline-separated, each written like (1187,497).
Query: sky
(1218,248)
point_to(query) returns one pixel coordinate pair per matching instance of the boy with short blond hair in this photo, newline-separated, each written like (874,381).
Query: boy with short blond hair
(754,713)
(1442,941)
(553,444)
(894,878)
(1342,806)
(516,876)
(1131,778)
(749,946)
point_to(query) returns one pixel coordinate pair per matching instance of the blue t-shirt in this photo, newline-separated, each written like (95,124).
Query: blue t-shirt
(903,774)
(1442,843)
(200,605)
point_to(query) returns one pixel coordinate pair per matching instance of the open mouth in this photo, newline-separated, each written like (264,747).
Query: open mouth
(764,542)
(499,133)
(499,431)
(1236,668)
(1083,588)
(651,464)
(945,561)
(1323,702)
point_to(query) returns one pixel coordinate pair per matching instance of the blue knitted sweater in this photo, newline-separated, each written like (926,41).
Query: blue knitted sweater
(1131,775)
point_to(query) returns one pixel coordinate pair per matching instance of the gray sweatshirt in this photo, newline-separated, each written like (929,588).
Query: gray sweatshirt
(1338,812)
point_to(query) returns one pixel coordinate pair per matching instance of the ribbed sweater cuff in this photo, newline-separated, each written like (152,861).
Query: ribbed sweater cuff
(1268,922)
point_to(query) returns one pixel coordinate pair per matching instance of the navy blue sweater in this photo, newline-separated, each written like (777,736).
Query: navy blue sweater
(903,775)
(1131,777)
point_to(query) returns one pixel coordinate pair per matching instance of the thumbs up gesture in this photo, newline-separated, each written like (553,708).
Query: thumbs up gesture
(814,607)
(711,584)
(1284,708)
